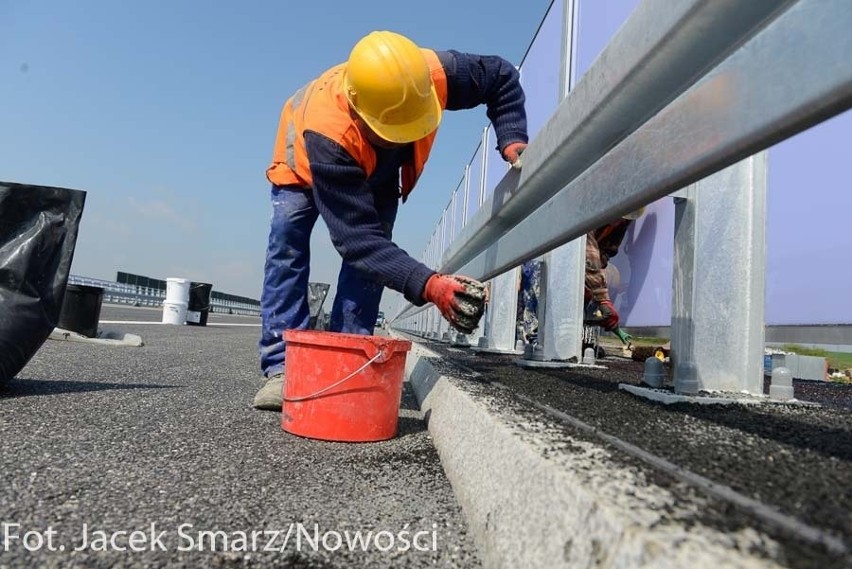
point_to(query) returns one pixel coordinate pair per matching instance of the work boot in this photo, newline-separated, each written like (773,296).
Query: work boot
(270,396)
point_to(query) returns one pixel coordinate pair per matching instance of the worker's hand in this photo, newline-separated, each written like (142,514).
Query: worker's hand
(623,336)
(460,299)
(609,316)
(512,154)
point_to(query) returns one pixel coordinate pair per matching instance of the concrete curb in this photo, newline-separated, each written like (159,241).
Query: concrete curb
(536,497)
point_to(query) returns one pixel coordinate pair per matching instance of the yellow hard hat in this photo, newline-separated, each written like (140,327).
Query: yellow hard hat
(389,85)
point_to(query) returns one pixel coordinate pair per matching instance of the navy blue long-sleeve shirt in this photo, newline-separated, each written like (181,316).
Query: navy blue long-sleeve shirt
(348,200)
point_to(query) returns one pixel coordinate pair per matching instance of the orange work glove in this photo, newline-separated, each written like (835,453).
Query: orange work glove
(512,154)
(609,316)
(460,299)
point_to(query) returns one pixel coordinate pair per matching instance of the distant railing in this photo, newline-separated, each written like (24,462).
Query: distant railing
(135,295)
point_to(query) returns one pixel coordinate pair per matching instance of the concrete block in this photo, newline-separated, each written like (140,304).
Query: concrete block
(802,367)
(812,367)
(782,384)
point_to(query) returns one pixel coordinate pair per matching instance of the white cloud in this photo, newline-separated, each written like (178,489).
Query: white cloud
(158,210)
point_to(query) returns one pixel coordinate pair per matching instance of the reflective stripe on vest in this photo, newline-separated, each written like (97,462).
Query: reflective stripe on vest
(295,101)
(321,106)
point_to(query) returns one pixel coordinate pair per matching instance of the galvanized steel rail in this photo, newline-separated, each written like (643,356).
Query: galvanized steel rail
(683,91)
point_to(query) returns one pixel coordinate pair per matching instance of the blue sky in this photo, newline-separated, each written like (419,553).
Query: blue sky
(165,113)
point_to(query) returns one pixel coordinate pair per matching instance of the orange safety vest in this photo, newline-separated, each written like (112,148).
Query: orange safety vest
(321,106)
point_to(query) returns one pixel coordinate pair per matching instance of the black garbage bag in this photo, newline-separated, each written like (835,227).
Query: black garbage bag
(38,233)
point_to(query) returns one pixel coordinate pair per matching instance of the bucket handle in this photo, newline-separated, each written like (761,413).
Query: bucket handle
(379,354)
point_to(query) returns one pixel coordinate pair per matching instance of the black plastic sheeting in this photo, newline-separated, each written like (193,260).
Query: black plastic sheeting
(38,233)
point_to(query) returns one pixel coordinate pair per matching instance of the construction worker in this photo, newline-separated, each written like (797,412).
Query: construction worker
(601,245)
(350,145)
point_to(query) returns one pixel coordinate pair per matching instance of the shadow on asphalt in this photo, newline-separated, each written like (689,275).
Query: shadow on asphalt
(409,399)
(22,387)
(409,426)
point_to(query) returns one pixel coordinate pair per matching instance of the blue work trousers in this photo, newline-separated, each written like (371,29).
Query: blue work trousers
(284,300)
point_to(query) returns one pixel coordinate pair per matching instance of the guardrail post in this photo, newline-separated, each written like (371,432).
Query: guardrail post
(500,320)
(432,331)
(719,279)
(560,325)
(560,315)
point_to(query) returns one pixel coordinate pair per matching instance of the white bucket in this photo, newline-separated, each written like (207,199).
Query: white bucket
(174,313)
(177,290)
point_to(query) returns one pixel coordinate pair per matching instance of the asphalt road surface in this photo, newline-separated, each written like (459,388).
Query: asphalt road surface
(97,442)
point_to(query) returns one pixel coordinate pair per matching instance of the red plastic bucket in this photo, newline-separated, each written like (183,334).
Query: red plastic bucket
(342,387)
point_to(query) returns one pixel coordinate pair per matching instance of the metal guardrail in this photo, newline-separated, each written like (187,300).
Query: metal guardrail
(661,48)
(683,91)
(133,295)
